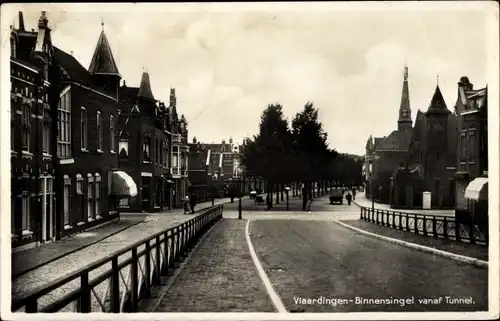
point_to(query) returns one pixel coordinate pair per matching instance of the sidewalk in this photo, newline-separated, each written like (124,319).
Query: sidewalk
(460,248)
(94,252)
(362,200)
(25,261)
(220,276)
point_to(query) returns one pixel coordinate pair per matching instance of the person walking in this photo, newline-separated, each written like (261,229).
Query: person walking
(192,202)
(186,205)
(354,193)
(348,197)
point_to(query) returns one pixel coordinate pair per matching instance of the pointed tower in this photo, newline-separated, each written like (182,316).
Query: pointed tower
(103,66)
(145,98)
(404,120)
(437,129)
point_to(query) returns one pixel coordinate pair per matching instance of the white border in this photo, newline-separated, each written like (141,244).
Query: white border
(10,10)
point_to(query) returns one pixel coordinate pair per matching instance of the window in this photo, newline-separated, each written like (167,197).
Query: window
(112,138)
(123,147)
(26,124)
(99,131)
(64,126)
(463,147)
(175,156)
(46,132)
(67,200)
(145,148)
(13,47)
(97,194)
(26,211)
(472,146)
(90,205)
(79,184)
(83,129)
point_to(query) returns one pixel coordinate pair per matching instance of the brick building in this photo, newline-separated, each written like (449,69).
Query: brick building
(34,83)
(430,163)
(385,154)
(198,170)
(471,176)
(87,147)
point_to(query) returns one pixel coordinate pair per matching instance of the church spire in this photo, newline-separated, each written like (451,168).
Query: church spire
(103,62)
(404,120)
(145,87)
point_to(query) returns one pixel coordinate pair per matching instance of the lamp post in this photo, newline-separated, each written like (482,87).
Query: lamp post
(239,201)
(287,189)
(372,158)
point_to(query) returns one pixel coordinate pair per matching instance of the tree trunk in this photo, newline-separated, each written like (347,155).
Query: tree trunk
(270,192)
(282,187)
(277,193)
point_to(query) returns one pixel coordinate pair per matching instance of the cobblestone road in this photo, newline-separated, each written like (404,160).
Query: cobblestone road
(220,276)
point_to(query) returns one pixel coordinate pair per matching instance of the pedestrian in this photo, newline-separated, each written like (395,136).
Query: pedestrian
(354,193)
(186,205)
(348,197)
(192,202)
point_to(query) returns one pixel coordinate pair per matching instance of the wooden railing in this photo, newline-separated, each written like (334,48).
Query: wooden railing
(428,225)
(119,281)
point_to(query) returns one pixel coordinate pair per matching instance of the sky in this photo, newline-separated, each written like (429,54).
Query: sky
(228,63)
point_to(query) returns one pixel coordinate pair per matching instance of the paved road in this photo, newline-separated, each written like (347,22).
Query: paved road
(317,258)
(311,259)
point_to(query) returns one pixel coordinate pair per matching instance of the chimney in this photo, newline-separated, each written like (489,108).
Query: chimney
(43,21)
(223,141)
(194,140)
(230,140)
(71,52)
(124,84)
(21,21)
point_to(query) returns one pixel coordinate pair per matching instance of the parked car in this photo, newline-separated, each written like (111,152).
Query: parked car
(337,196)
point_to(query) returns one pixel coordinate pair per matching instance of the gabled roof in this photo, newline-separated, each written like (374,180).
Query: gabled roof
(378,140)
(145,87)
(103,61)
(396,141)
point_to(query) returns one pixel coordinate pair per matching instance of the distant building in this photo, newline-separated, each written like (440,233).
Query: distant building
(430,163)
(472,155)
(385,154)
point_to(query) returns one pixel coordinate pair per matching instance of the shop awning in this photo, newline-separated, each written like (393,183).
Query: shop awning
(122,184)
(477,189)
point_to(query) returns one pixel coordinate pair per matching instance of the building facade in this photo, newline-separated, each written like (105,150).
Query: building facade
(471,175)
(34,84)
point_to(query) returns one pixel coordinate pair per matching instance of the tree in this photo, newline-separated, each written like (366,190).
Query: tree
(267,154)
(311,153)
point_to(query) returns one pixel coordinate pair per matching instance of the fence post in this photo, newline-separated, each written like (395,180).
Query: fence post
(361,213)
(114,295)
(147,270)
(407,223)
(424,226)
(445,228)
(134,282)
(177,244)
(158,261)
(168,256)
(458,237)
(400,218)
(85,302)
(415,224)
(434,227)
(472,236)
(394,219)
(382,218)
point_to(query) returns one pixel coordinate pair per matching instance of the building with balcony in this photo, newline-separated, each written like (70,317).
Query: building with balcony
(34,97)
(471,177)
(144,147)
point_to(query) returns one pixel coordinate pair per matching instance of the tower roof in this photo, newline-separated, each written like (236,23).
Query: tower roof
(145,87)
(437,105)
(103,62)
(404,107)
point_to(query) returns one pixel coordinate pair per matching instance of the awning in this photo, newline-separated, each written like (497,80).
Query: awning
(477,189)
(122,184)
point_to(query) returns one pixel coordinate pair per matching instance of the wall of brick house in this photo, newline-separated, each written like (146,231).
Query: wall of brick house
(388,162)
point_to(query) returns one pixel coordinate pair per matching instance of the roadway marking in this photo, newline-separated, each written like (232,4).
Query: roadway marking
(453,256)
(275,298)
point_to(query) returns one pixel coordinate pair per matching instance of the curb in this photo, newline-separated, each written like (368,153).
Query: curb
(77,249)
(461,258)
(154,305)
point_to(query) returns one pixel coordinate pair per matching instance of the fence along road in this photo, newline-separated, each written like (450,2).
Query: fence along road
(117,282)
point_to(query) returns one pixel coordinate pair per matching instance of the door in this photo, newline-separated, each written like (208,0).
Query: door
(45,224)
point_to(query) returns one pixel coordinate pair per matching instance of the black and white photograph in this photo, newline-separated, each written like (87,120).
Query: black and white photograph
(250,161)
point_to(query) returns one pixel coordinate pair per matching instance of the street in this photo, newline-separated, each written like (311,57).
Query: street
(307,257)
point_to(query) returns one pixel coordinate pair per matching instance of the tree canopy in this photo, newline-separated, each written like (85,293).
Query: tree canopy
(283,152)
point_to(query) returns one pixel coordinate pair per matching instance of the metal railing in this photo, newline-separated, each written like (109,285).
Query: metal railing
(119,281)
(428,225)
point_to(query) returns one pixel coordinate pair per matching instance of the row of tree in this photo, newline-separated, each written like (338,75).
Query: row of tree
(283,153)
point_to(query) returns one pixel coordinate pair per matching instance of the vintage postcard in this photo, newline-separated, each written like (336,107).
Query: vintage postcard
(250,161)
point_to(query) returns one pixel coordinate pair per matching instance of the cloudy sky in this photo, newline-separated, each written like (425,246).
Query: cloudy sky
(227,62)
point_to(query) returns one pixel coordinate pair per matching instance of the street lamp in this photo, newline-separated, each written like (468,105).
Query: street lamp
(287,189)
(372,158)
(239,201)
